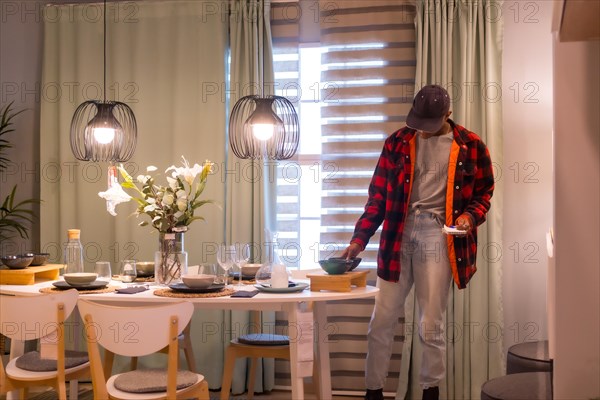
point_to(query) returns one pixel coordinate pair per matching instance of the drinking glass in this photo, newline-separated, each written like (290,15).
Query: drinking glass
(242,256)
(103,270)
(128,271)
(225,258)
(208,269)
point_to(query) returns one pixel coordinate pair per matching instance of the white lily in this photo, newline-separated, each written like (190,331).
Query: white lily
(186,172)
(114,196)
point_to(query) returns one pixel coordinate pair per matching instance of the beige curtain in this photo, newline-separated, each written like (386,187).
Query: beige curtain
(250,187)
(167,60)
(459,47)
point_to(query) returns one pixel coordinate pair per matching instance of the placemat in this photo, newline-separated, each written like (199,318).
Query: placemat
(172,293)
(107,289)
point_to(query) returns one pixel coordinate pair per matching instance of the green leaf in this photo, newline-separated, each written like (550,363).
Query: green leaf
(128,185)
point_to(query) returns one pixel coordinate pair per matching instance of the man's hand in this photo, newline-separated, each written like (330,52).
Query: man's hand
(351,251)
(463,222)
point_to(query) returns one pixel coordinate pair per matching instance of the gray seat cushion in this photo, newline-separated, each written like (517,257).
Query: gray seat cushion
(264,339)
(152,380)
(523,386)
(33,362)
(528,357)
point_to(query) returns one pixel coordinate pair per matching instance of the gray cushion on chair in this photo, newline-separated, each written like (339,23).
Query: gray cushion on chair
(528,357)
(264,339)
(33,362)
(152,380)
(522,386)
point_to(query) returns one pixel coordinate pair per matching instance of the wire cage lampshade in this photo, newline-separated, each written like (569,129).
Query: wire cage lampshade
(264,127)
(103,131)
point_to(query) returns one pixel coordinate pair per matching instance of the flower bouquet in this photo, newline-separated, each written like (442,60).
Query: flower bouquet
(170,209)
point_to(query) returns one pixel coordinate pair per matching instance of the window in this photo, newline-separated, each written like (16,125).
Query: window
(352,89)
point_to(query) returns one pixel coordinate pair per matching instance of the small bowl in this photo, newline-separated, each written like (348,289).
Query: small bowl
(353,261)
(250,269)
(80,278)
(39,259)
(145,268)
(335,266)
(200,281)
(17,262)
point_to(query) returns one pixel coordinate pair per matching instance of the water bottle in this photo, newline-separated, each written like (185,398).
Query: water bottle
(73,253)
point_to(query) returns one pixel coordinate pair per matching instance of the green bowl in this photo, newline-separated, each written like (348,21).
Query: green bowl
(353,261)
(335,266)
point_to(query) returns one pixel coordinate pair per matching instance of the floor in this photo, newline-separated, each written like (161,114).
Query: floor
(85,393)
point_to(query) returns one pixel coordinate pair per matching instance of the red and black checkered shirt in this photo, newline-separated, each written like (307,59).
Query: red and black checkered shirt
(469,190)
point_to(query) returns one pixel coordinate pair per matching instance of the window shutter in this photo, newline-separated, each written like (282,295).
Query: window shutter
(369,68)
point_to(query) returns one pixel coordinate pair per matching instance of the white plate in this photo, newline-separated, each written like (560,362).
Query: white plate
(298,288)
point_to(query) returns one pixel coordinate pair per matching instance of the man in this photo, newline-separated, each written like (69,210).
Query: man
(431,173)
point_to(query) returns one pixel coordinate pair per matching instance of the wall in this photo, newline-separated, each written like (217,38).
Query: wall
(20,69)
(577,219)
(527,169)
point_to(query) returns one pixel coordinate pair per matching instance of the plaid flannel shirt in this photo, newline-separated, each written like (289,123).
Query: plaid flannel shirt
(469,190)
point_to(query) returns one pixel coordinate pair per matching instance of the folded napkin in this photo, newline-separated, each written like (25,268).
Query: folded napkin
(245,293)
(132,289)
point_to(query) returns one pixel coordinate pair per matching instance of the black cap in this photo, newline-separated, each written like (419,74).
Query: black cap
(429,109)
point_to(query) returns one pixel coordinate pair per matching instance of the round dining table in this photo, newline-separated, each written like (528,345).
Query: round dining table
(306,312)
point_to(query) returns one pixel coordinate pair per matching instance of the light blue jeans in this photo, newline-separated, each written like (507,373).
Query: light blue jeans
(424,263)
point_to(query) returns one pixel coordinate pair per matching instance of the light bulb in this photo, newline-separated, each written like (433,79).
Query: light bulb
(104,135)
(263,131)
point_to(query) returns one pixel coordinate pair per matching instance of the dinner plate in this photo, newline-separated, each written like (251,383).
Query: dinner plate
(91,286)
(181,287)
(298,288)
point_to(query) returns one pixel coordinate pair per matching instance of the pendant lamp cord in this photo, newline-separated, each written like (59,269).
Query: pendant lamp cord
(104,43)
(261,61)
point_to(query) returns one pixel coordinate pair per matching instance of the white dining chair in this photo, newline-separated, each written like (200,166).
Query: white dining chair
(40,317)
(136,332)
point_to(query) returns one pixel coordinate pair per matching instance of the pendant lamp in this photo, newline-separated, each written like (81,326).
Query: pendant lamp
(103,130)
(263,126)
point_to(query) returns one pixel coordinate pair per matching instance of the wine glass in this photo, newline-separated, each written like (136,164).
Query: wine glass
(241,258)
(225,257)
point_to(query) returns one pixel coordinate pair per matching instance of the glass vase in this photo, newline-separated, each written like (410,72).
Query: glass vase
(170,261)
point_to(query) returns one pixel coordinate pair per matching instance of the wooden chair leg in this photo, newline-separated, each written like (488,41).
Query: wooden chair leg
(251,377)
(205,394)
(61,390)
(109,358)
(227,373)
(187,348)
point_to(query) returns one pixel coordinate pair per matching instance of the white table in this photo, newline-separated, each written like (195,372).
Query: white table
(288,302)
